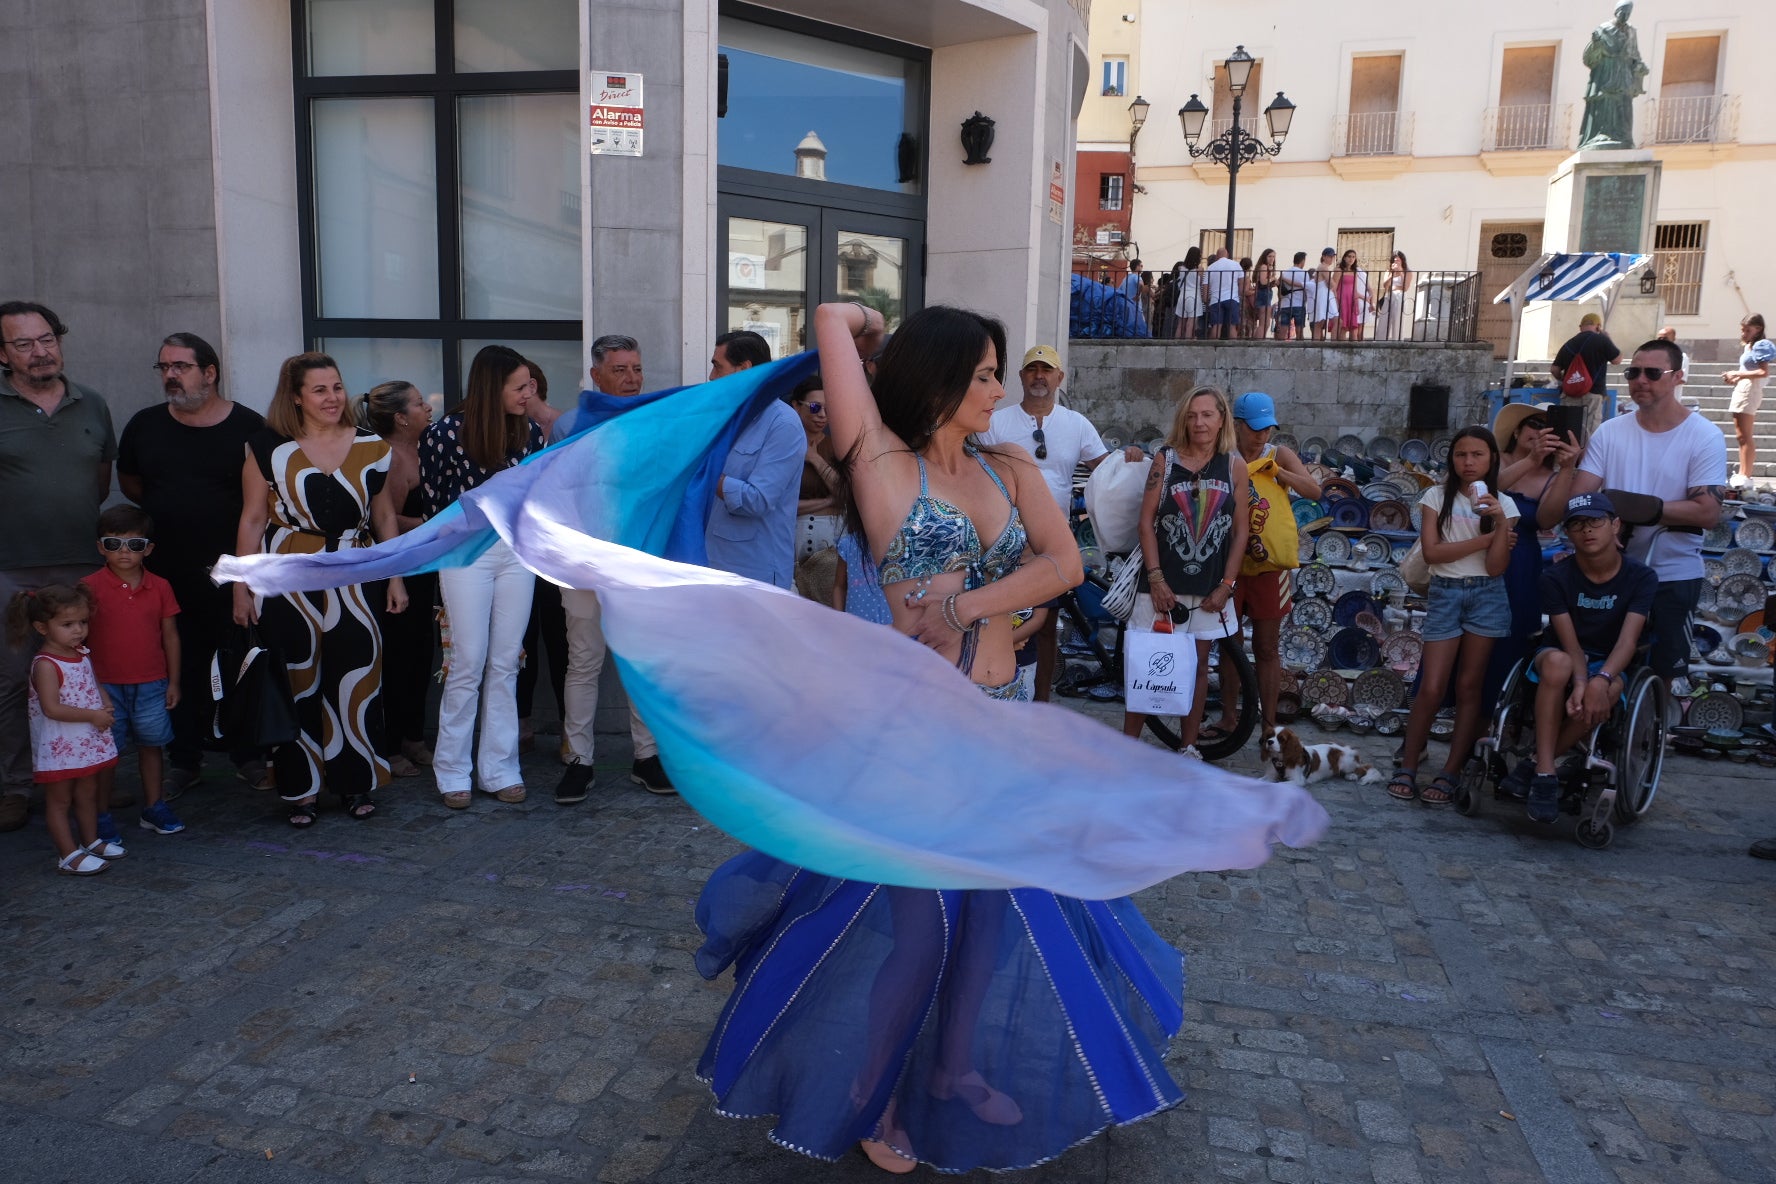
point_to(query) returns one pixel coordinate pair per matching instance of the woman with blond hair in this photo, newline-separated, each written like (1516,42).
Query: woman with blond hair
(487,602)
(1193,539)
(314,482)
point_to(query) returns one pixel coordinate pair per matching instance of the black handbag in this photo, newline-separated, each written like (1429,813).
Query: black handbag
(255,707)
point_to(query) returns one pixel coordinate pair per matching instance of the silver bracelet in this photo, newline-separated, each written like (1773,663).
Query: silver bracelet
(865,310)
(951,617)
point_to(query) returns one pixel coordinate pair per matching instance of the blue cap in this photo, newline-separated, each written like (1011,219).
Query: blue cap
(1256,410)
(1590,505)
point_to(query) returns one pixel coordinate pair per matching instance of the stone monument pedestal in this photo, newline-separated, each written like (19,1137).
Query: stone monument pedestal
(1598,200)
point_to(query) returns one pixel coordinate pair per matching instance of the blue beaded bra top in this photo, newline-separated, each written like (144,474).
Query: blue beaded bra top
(937,538)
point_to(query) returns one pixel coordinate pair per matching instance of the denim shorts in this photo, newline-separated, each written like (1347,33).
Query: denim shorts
(1468,604)
(1296,316)
(141,713)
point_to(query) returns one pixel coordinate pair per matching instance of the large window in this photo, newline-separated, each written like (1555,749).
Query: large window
(1679,251)
(440,144)
(1109,191)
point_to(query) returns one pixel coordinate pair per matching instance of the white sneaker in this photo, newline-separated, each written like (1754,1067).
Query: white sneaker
(1190,753)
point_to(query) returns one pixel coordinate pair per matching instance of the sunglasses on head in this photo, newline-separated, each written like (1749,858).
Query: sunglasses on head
(1650,373)
(1041,444)
(112,543)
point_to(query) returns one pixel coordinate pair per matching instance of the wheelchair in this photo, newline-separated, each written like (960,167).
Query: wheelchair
(1616,774)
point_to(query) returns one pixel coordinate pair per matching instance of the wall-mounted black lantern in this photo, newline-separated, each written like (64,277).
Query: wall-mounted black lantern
(977,138)
(1649,281)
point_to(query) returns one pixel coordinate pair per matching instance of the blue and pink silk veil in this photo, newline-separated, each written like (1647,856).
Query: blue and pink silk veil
(821,739)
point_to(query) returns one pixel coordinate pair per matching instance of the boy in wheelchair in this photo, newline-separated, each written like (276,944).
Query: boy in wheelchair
(1597,604)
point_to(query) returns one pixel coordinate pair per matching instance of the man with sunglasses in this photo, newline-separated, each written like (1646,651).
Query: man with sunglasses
(180,460)
(56,449)
(1061,440)
(1669,454)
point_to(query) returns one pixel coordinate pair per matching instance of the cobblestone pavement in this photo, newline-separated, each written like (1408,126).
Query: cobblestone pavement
(507,994)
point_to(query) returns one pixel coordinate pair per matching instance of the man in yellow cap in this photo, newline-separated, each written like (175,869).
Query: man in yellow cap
(1592,346)
(1061,440)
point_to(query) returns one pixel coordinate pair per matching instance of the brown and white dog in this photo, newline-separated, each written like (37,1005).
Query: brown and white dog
(1305,764)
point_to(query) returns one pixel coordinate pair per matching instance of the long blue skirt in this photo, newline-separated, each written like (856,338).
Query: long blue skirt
(855,1006)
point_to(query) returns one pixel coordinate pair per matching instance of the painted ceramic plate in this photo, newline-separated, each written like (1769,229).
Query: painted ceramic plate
(1323,686)
(1352,648)
(1704,639)
(1286,440)
(1385,583)
(1415,515)
(1304,548)
(1378,690)
(1713,570)
(1312,447)
(1380,546)
(1740,562)
(1755,534)
(1351,605)
(1763,507)
(1753,623)
(1748,649)
(1336,488)
(1391,723)
(1316,579)
(1384,447)
(1440,448)
(1350,445)
(1303,649)
(1380,491)
(1392,514)
(1717,537)
(1312,613)
(1307,510)
(1288,706)
(1352,513)
(1401,651)
(1415,451)
(1370,624)
(1746,593)
(1715,709)
(1333,547)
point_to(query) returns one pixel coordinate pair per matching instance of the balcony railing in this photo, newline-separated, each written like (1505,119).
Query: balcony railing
(1374,133)
(1695,119)
(1248,123)
(1525,128)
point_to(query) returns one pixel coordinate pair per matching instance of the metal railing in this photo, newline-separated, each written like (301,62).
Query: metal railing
(1250,124)
(1695,119)
(1438,307)
(1373,133)
(1525,128)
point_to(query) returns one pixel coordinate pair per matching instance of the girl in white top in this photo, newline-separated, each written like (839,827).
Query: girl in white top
(1465,532)
(1190,294)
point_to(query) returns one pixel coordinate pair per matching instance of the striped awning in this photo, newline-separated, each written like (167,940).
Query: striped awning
(1579,276)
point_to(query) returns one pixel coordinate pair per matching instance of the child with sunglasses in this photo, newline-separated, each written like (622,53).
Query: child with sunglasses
(135,650)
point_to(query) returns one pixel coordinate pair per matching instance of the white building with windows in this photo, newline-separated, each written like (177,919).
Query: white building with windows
(1433,128)
(399,182)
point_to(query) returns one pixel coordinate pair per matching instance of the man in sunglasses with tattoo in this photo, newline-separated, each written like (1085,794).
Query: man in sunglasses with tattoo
(56,449)
(1061,440)
(1678,461)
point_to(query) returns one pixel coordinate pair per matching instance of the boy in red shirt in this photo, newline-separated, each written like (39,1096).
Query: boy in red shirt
(135,651)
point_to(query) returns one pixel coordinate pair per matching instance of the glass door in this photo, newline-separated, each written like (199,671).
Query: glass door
(784,258)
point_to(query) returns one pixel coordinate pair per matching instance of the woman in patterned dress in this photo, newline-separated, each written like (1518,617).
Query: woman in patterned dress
(313,482)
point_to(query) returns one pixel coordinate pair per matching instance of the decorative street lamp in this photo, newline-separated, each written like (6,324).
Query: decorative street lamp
(1137,118)
(1236,146)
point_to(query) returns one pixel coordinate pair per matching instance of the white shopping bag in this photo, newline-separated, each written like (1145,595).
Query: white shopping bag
(1113,502)
(1158,670)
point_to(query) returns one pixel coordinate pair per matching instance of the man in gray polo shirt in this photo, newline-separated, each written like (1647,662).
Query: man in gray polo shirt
(56,449)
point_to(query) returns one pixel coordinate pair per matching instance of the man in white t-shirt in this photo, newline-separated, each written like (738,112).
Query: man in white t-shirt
(1061,440)
(1224,278)
(1666,452)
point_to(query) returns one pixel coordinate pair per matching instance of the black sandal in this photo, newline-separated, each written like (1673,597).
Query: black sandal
(359,806)
(303,814)
(1404,786)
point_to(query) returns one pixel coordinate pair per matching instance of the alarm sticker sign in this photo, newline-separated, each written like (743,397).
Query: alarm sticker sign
(616,113)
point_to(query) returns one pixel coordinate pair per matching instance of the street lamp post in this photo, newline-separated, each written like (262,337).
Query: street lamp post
(1236,146)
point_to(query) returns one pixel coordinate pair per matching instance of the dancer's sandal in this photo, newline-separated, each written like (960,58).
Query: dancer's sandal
(303,814)
(989,1105)
(1440,792)
(359,806)
(1404,786)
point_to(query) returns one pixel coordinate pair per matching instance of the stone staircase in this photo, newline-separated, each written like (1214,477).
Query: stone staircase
(1704,387)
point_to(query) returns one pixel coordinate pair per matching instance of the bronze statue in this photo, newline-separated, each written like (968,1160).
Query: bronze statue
(1613,57)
